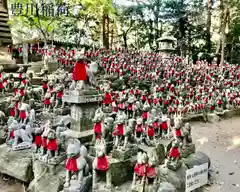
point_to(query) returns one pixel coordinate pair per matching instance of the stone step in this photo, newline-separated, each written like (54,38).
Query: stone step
(8,35)
(7,29)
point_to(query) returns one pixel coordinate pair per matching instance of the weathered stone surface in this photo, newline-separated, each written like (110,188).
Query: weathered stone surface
(197,158)
(3,136)
(159,150)
(212,118)
(193,117)
(177,178)
(228,113)
(84,136)
(188,151)
(166,187)
(17,164)
(87,182)
(123,155)
(47,178)
(121,171)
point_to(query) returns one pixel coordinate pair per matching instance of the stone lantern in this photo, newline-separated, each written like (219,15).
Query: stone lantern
(166,46)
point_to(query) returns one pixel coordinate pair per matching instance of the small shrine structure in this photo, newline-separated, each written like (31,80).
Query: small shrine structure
(166,46)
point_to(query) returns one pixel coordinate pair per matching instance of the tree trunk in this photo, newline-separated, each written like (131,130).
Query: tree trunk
(125,40)
(209,22)
(221,7)
(105,31)
(223,32)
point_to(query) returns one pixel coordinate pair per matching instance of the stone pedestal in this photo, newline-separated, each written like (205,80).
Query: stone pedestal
(17,164)
(121,171)
(82,109)
(126,154)
(188,151)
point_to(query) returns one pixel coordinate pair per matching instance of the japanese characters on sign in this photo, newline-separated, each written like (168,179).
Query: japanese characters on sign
(196,177)
(39,9)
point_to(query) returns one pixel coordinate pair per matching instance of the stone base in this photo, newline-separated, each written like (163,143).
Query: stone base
(102,187)
(84,136)
(188,151)
(177,178)
(52,161)
(17,164)
(47,177)
(166,187)
(74,185)
(137,188)
(174,165)
(159,151)
(121,171)
(212,118)
(126,154)
(22,146)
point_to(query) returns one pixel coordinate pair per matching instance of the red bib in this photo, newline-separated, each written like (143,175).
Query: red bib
(71,164)
(102,163)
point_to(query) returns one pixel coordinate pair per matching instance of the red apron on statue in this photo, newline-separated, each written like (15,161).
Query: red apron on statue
(79,71)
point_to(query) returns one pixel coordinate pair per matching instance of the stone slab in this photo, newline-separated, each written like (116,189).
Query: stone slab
(166,187)
(126,154)
(212,118)
(197,158)
(87,182)
(121,171)
(47,178)
(83,136)
(188,151)
(17,164)
(177,178)
(159,150)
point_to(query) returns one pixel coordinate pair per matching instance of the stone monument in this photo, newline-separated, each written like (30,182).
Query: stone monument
(166,44)
(82,108)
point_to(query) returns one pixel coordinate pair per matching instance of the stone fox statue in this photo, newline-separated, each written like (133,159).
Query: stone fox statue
(76,162)
(101,164)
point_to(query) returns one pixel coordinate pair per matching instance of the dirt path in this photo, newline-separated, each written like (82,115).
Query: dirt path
(216,140)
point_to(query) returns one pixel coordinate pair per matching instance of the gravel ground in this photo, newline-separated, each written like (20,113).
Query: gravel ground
(220,141)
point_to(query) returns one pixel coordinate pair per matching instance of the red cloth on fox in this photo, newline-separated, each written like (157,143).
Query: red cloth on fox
(71,164)
(12,112)
(178,133)
(15,91)
(16,105)
(79,71)
(59,94)
(145,115)
(20,75)
(164,126)
(47,101)
(24,81)
(102,163)
(38,140)
(1,85)
(119,130)
(156,125)
(12,134)
(174,152)
(97,127)
(45,86)
(44,142)
(139,169)
(151,172)
(139,129)
(150,131)
(107,99)
(52,144)
(130,107)
(23,115)
(22,92)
